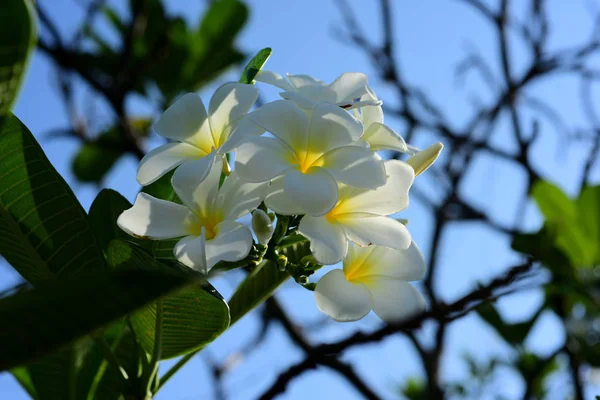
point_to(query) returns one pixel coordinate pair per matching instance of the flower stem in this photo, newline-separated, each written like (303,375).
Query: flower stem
(111,358)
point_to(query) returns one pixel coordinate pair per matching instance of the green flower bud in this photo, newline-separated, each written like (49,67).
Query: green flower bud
(262,226)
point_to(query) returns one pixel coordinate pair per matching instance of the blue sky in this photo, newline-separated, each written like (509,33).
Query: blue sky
(433,37)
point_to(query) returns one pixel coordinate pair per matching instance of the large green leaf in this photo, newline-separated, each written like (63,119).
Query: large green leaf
(255,65)
(44,231)
(39,321)
(588,216)
(191,318)
(553,202)
(18,35)
(23,376)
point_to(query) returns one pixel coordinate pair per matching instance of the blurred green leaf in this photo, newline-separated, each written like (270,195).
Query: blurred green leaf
(513,333)
(44,231)
(535,370)
(192,317)
(39,321)
(18,36)
(553,202)
(415,389)
(255,65)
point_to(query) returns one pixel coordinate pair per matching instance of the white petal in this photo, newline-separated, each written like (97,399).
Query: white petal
(299,81)
(371,115)
(284,120)
(260,159)
(164,158)
(152,218)
(273,78)
(327,240)
(332,127)
(229,103)
(278,201)
(232,242)
(315,191)
(244,129)
(388,199)
(186,121)
(355,166)
(381,137)
(340,299)
(368,229)
(197,182)
(237,197)
(395,300)
(424,159)
(304,102)
(349,86)
(407,265)
(191,251)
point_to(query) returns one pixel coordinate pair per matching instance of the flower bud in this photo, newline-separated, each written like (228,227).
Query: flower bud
(262,226)
(423,159)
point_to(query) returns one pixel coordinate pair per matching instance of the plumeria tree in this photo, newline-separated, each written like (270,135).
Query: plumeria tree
(276,191)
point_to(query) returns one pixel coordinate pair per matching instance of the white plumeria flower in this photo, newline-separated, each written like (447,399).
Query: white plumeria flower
(309,155)
(197,134)
(206,220)
(360,216)
(374,278)
(307,91)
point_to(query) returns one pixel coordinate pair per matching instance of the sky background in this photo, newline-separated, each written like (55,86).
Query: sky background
(433,36)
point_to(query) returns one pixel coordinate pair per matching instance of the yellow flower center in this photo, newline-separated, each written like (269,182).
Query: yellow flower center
(209,223)
(306,160)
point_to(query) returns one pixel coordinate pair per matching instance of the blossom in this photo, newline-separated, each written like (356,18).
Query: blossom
(196,133)
(307,91)
(308,156)
(361,216)
(205,220)
(373,278)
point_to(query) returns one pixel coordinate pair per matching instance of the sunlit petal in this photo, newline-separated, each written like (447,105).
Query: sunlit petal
(152,218)
(328,242)
(191,251)
(186,121)
(260,159)
(332,127)
(273,78)
(164,158)
(349,86)
(232,242)
(340,299)
(285,121)
(381,137)
(278,201)
(371,229)
(315,191)
(238,197)
(196,183)
(229,103)
(388,199)
(395,300)
(355,166)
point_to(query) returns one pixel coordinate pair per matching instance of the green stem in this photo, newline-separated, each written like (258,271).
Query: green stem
(175,368)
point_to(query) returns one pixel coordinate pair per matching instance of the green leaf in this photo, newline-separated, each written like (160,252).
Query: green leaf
(18,35)
(562,218)
(553,202)
(513,333)
(192,317)
(588,216)
(255,65)
(44,231)
(256,288)
(39,321)
(23,376)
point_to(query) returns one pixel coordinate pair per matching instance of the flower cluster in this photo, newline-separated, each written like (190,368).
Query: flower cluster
(310,157)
